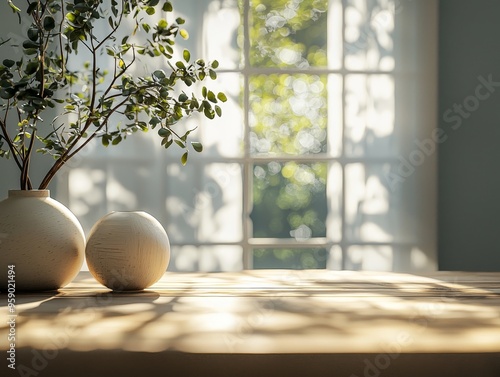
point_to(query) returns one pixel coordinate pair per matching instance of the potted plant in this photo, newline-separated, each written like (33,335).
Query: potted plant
(79,61)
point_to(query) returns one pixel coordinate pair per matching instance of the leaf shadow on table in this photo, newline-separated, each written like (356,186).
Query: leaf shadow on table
(254,312)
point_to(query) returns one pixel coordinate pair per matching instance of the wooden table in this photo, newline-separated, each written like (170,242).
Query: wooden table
(262,323)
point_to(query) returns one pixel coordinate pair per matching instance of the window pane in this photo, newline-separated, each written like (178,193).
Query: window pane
(289,200)
(369,29)
(369,116)
(287,33)
(221,30)
(296,259)
(208,208)
(221,136)
(371,208)
(288,114)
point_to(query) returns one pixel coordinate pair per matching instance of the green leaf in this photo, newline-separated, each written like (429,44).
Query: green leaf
(212,74)
(211,96)
(218,110)
(31,68)
(184,34)
(164,132)
(105,141)
(27,44)
(180,20)
(197,146)
(14,8)
(184,158)
(159,74)
(154,121)
(116,140)
(33,34)
(7,93)
(222,97)
(114,7)
(32,7)
(204,92)
(180,65)
(183,97)
(82,7)
(30,51)
(162,24)
(49,23)
(187,55)
(168,143)
(215,64)
(150,10)
(167,7)
(209,113)
(8,63)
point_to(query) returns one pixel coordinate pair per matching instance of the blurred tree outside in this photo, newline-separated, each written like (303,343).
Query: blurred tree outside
(288,117)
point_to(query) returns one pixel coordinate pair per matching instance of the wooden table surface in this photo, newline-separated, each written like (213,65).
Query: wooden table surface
(262,322)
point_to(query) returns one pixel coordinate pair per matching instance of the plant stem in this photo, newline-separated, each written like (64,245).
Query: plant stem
(12,147)
(25,180)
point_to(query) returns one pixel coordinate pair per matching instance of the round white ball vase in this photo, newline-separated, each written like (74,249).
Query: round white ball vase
(41,238)
(127,251)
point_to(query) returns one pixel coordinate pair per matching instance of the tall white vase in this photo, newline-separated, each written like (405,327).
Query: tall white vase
(41,239)
(127,251)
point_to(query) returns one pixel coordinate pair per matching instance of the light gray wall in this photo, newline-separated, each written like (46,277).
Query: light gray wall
(469,160)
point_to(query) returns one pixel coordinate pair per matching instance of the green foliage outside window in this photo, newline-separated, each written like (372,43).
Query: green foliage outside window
(288,116)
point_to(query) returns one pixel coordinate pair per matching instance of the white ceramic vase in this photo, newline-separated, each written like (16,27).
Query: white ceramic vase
(127,251)
(41,238)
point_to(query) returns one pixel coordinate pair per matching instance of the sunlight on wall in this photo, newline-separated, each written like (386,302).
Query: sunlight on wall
(120,194)
(206,258)
(377,258)
(222,20)
(370,115)
(357,116)
(369,34)
(85,193)
(369,216)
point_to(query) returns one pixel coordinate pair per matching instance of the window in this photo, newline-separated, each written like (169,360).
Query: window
(315,162)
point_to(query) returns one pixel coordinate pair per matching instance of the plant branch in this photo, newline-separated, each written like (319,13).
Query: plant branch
(94,134)
(67,155)
(11,145)
(113,31)
(117,76)
(61,46)
(25,180)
